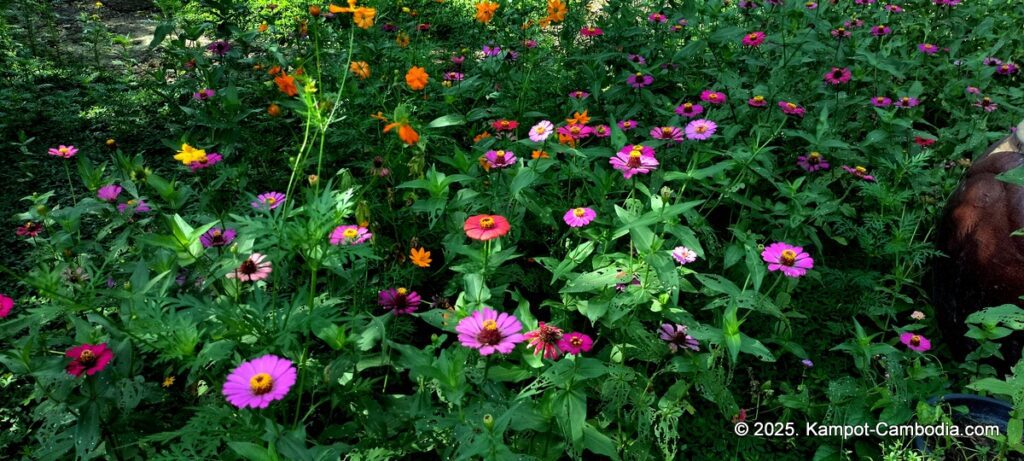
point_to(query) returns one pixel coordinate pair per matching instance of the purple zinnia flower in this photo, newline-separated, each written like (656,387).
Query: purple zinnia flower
(602,131)
(757,101)
(838,76)
(203,94)
(488,331)
(579,94)
(491,51)
(677,337)
(881,101)
(840,33)
(753,39)
(575,343)
(860,172)
(1007,68)
(639,80)
(915,341)
(700,129)
(881,30)
(109,193)
(63,151)
(256,383)
(689,110)
(133,206)
(793,261)
(453,76)
(713,97)
(633,159)
(683,255)
(907,102)
(217,237)
(500,158)
(790,108)
(268,200)
(927,48)
(219,48)
(627,125)
(987,104)
(812,162)
(350,235)
(399,300)
(211,160)
(667,132)
(579,217)
(636,58)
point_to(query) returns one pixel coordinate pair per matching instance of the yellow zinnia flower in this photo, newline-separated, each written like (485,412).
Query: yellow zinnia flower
(189,154)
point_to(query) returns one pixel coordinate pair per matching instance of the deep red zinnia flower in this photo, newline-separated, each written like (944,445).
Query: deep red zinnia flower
(88,359)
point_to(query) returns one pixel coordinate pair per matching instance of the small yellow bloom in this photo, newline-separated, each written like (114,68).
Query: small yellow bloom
(168,382)
(420,257)
(189,154)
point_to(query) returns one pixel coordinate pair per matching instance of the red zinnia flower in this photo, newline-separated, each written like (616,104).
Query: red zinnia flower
(486,227)
(88,359)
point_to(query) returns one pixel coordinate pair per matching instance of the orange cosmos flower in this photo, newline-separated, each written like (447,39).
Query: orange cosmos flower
(417,78)
(539,154)
(420,257)
(361,69)
(556,11)
(481,137)
(579,119)
(339,9)
(485,11)
(274,70)
(286,83)
(405,132)
(363,17)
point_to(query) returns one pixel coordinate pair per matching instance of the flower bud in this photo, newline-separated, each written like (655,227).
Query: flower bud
(489,421)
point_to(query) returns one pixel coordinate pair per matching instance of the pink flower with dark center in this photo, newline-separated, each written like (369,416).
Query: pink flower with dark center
(256,383)
(677,337)
(753,39)
(793,261)
(579,217)
(203,94)
(591,31)
(812,162)
(399,300)
(811,5)
(575,343)
(88,359)
(882,30)
(500,158)
(859,172)
(639,80)
(109,193)
(544,340)
(350,235)
(219,48)
(881,101)
(915,342)
(633,159)
(713,97)
(133,206)
(689,110)
(907,102)
(211,160)
(927,48)
(488,331)
(838,76)
(790,108)
(627,125)
(657,17)
(987,104)
(29,229)
(579,94)
(840,33)
(217,237)
(1007,68)
(757,101)
(602,131)
(893,8)
(701,129)
(253,269)
(667,132)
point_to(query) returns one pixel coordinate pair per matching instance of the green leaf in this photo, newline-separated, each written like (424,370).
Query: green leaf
(250,451)
(447,120)
(598,443)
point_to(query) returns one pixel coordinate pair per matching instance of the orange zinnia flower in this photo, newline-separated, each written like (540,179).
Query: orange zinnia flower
(405,132)
(361,69)
(485,11)
(417,78)
(579,119)
(363,17)
(286,83)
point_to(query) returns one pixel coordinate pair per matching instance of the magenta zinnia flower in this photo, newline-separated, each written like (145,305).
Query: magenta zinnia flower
(881,101)
(915,341)
(253,269)
(219,48)
(575,131)
(757,101)
(667,132)
(793,261)
(88,359)
(812,162)
(790,108)
(488,331)
(840,33)
(859,172)
(541,131)
(639,80)
(109,192)
(1008,68)
(63,151)
(602,131)
(591,31)
(579,94)
(211,160)
(683,255)
(6,304)
(203,94)
(500,158)
(256,383)
(677,337)
(544,340)
(633,159)
(713,97)
(579,217)
(133,206)
(399,300)
(927,48)
(881,30)
(627,125)
(838,76)
(268,200)
(350,235)
(689,110)
(753,39)
(575,343)
(217,237)
(987,104)
(700,129)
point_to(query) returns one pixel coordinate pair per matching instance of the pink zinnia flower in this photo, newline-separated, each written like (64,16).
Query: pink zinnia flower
(689,110)
(253,269)
(893,8)
(712,97)
(256,383)
(63,151)
(753,39)
(217,237)
(811,5)
(657,17)
(500,158)
(109,192)
(133,206)
(907,102)
(882,30)
(840,33)
(860,172)
(6,304)
(915,342)
(987,104)
(973,90)
(639,80)
(1008,68)
(488,331)
(790,108)
(838,76)
(791,260)
(667,132)
(881,101)
(627,125)
(757,101)
(219,48)
(633,159)
(505,125)
(541,131)
(591,31)
(486,227)
(700,129)
(88,358)
(575,131)
(927,48)
(30,229)
(453,76)
(268,200)
(575,343)
(579,217)
(677,337)
(350,235)
(399,300)
(683,255)
(544,340)
(203,94)
(812,162)
(211,160)
(602,131)
(579,94)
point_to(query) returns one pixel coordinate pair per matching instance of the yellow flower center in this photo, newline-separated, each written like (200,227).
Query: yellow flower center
(752,36)
(627,124)
(500,155)
(905,100)
(666,131)
(579,212)
(713,96)
(271,200)
(131,202)
(403,291)
(63,150)
(490,324)
(791,105)
(504,123)
(541,130)
(574,130)
(758,98)
(576,341)
(787,258)
(350,233)
(841,29)
(86,356)
(814,156)
(860,170)
(701,128)
(487,223)
(216,232)
(639,74)
(261,383)
(915,340)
